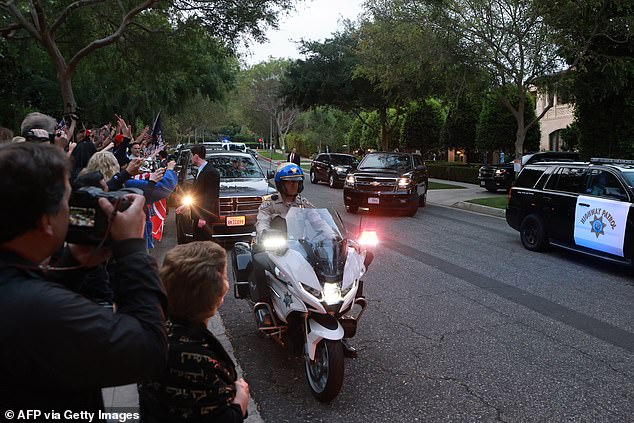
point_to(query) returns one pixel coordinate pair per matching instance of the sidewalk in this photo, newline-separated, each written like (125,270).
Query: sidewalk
(458,197)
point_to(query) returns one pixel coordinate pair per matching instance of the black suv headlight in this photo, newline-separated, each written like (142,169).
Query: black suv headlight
(350,181)
(405,183)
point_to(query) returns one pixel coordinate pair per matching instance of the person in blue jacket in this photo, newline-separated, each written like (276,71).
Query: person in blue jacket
(160,185)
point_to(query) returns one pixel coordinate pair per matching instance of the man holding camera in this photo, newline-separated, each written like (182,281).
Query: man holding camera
(58,348)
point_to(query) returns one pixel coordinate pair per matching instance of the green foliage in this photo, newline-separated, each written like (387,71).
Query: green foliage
(497,127)
(422,126)
(322,126)
(461,123)
(150,56)
(462,173)
(604,76)
(326,77)
(354,134)
(296,140)
(365,131)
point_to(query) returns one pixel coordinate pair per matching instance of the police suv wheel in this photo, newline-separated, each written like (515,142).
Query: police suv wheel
(533,233)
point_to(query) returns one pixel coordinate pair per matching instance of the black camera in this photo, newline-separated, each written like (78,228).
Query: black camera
(88,223)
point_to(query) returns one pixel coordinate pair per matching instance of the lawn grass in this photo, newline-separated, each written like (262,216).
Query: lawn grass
(497,202)
(439,185)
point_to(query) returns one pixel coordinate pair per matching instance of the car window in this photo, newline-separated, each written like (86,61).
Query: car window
(568,179)
(528,177)
(235,166)
(604,184)
(386,161)
(342,160)
(418,161)
(628,174)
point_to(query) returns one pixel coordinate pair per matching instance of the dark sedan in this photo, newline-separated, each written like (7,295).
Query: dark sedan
(332,168)
(388,181)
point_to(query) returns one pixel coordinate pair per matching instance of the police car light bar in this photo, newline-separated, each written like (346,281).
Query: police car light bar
(613,161)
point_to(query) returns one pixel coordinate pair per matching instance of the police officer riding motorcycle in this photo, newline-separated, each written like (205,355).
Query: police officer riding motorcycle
(289,182)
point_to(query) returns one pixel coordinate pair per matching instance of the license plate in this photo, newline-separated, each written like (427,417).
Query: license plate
(235,220)
(373,200)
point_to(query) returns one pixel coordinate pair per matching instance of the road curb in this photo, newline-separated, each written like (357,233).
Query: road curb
(491,211)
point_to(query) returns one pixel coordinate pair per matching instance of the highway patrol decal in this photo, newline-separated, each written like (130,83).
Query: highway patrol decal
(600,224)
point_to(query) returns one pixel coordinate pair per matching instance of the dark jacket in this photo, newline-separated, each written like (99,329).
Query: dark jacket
(198,384)
(295,159)
(206,193)
(81,155)
(58,349)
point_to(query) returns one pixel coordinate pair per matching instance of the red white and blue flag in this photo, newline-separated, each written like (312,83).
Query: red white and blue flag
(157,211)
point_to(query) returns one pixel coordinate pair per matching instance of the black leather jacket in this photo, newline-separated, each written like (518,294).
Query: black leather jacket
(58,349)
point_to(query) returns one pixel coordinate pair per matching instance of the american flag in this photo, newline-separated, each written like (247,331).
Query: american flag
(157,211)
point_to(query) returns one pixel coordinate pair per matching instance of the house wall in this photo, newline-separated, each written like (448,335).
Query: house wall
(558,117)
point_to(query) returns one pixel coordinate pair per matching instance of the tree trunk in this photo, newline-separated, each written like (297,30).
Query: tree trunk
(68,95)
(383,145)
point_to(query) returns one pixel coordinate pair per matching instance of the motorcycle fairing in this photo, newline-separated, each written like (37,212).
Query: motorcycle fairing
(294,264)
(318,332)
(286,300)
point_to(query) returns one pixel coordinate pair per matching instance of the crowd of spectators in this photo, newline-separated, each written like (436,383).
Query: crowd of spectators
(75,318)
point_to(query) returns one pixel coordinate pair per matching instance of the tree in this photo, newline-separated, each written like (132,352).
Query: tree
(327,78)
(95,24)
(263,100)
(323,126)
(509,40)
(601,83)
(422,126)
(496,126)
(460,127)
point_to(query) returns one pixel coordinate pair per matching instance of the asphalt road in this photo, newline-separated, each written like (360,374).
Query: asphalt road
(463,325)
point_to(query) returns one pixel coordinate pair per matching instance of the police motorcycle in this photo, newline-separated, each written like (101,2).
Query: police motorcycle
(313,270)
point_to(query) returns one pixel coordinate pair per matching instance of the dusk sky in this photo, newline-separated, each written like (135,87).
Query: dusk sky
(313,20)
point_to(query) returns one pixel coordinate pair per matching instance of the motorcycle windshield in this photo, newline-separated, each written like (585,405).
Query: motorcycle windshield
(319,235)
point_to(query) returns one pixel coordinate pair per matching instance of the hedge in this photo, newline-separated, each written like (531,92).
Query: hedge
(464,173)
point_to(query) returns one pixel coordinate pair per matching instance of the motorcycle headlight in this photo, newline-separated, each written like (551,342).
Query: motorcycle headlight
(274,242)
(312,291)
(332,293)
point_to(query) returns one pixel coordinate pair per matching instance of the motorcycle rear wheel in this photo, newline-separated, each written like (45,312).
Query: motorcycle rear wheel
(325,373)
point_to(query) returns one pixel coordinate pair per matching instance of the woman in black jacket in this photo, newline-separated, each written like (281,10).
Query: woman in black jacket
(200,383)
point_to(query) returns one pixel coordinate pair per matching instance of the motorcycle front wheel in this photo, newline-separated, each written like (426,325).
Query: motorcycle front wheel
(325,373)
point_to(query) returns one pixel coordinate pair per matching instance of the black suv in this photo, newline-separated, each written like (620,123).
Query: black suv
(243,186)
(579,206)
(390,181)
(501,176)
(332,168)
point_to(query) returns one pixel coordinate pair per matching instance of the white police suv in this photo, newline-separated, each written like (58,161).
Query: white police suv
(586,207)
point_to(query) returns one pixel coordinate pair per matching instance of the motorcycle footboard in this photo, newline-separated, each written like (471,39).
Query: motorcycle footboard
(321,326)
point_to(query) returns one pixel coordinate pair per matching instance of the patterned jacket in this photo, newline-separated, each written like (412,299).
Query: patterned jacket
(198,384)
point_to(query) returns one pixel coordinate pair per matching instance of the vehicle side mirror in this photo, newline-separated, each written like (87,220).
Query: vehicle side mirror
(270,174)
